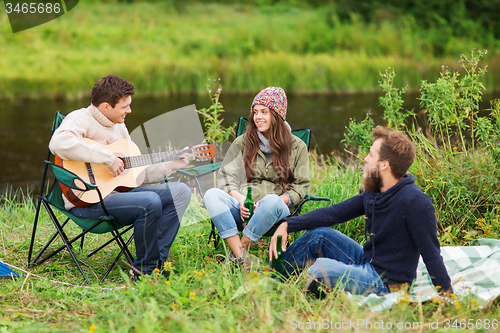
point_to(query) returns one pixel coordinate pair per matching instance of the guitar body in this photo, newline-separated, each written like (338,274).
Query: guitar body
(102,176)
(133,176)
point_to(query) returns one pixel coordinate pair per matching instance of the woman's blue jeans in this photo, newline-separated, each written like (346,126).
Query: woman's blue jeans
(155,211)
(224,210)
(336,260)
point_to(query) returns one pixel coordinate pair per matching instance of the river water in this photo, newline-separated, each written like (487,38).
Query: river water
(25,124)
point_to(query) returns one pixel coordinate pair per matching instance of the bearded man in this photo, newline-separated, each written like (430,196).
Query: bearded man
(399,220)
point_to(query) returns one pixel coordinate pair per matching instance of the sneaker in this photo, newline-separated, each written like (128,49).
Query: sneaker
(246,259)
(134,276)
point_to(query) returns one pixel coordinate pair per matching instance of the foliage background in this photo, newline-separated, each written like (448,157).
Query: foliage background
(169,47)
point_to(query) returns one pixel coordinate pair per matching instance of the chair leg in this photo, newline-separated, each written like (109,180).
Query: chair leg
(213,235)
(108,242)
(32,263)
(38,206)
(124,246)
(66,243)
(81,243)
(123,250)
(118,258)
(37,213)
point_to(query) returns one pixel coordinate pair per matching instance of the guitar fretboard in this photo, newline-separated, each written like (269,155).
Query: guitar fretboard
(147,159)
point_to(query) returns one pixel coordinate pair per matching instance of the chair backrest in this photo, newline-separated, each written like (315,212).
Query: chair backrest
(242,126)
(303,133)
(58,118)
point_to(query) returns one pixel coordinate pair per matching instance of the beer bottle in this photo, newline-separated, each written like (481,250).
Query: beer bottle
(248,203)
(277,264)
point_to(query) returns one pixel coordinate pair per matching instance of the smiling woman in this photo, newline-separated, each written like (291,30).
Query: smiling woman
(262,119)
(268,162)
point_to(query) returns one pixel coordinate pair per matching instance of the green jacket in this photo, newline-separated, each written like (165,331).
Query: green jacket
(232,172)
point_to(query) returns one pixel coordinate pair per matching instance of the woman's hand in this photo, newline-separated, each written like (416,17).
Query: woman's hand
(273,247)
(244,212)
(255,205)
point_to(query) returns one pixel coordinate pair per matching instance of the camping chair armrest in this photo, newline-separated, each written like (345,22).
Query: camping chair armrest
(67,178)
(308,198)
(187,172)
(201,170)
(159,181)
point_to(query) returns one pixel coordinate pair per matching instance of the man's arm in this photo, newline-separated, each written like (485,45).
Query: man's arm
(162,170)
(67,143)
(322,217)
(423,230)
(328,216)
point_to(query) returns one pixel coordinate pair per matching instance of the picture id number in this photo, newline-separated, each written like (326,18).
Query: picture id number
(33,8)
(471,324)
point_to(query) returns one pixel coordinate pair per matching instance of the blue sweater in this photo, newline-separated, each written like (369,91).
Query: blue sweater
(401,224)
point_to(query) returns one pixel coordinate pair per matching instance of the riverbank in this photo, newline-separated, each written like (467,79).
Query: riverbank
(165,50)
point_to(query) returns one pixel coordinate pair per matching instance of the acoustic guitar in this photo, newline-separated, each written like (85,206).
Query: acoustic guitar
(135,163)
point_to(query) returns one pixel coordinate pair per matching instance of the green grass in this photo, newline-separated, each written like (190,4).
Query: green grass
(166,49)
(201,295)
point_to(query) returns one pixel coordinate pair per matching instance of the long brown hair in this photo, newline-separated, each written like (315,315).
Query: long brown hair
(280,140)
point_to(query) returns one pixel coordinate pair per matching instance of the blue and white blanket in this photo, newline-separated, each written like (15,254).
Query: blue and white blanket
(474,272)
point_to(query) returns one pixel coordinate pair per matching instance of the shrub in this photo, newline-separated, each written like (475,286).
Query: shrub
(458,157)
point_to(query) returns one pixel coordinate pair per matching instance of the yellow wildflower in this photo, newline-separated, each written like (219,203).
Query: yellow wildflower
(156,271)
(92,328)
(167,266)
(404,298)
(168,283)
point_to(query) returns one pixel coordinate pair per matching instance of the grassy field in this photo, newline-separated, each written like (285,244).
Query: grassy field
(166,49)
(200,294)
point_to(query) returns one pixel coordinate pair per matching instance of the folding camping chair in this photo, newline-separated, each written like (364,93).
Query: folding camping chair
(53,199)
(304,134)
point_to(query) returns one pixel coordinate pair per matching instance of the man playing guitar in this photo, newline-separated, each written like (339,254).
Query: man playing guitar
(155,211)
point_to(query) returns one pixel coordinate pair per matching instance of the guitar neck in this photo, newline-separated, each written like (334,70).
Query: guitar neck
(148,159)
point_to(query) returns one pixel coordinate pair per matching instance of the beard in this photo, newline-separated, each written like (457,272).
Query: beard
(371,179)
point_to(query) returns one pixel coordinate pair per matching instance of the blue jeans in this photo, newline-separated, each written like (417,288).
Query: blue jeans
(337,260)
(224,210)
(156,213)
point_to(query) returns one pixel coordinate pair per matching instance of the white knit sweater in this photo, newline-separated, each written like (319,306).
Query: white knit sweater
(92,124)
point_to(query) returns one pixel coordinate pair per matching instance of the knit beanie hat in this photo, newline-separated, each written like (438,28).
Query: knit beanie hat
(274,98)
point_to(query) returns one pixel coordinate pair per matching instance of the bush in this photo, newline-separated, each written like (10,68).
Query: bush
(458,157)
